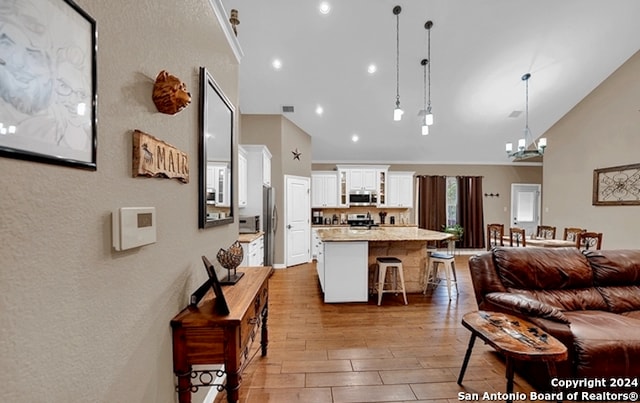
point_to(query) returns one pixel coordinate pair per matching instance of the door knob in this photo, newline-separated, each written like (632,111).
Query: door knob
(289,226)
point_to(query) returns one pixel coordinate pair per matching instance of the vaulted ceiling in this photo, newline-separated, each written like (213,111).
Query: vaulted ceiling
(479,51)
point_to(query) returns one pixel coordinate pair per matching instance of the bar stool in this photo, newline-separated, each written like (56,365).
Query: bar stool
(449,264)
(395,266)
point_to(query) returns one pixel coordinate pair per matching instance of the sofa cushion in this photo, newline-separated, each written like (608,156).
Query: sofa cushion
(605,343)
(560,277)
(542,268)
(519,303)
(617,275)
(572,299)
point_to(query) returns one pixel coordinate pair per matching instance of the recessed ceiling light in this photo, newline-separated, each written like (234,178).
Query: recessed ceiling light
(319,110)
(277,64)
(372,68)
(355,138)
(325,7)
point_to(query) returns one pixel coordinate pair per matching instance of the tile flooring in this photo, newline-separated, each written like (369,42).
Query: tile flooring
(361,352)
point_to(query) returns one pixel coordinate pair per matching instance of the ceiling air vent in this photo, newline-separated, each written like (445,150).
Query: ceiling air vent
(515,114)
(287,109)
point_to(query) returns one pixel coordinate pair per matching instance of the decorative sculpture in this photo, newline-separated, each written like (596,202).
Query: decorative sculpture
(170,95)
(230,259)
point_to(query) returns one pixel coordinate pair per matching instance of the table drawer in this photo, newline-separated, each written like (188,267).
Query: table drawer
(252,319)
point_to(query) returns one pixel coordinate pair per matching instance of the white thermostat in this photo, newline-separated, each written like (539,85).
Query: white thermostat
(133,227)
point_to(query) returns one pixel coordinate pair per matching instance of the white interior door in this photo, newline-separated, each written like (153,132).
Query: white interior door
(525,206)
(297,220)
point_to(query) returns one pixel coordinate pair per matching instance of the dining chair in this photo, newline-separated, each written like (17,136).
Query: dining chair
(589,240)
(495,234)
(546,232)
(570,233)
(517,235)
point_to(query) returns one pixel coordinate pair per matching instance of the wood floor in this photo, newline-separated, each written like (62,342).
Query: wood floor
(361,352)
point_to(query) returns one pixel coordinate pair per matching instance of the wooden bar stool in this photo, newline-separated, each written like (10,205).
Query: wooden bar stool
(449,264)
(395,266)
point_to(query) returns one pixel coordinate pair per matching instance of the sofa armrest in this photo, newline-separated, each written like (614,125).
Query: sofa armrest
(526,305)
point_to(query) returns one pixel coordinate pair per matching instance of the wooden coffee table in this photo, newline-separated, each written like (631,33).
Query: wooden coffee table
(514,338)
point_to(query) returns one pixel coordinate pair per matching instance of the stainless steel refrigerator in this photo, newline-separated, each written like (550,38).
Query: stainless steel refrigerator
(269,223)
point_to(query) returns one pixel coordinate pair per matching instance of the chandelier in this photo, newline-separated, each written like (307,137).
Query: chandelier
(537,148)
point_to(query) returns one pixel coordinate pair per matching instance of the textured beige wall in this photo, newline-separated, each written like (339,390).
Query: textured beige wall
(81,322)
(496,179)
(603,130)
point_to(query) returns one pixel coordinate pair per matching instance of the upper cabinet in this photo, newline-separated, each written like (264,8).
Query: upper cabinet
(399,189)
(359,178)
(258,161)
(266,167)
(363,179)
(218,184)
(242,177)
(324,189)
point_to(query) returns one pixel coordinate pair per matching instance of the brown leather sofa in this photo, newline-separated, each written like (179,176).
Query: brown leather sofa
(590,302)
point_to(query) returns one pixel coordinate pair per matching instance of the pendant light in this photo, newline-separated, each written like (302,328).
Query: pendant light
(423,111)
(429,117)
(397,112)
(538,148)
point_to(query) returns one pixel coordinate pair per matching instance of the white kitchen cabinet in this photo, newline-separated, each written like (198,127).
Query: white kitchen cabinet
(218,184)
(353,178)
(317,253)
(324,189)
(363,179)
(242,177)
(344,271)
(253,252)
(400,189)
(258,175)
(266,167)
(343,188)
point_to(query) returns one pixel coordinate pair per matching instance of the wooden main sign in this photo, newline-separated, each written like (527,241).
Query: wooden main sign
(153,157)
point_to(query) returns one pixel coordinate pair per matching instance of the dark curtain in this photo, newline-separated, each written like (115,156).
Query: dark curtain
(470,211)
(432,202)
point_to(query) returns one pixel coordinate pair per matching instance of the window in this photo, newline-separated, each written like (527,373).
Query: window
(452,200)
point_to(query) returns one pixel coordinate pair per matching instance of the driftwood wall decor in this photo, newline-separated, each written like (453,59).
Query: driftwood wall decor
(170,95)
(153,157)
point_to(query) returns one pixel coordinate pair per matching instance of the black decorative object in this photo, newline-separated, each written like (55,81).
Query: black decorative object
(221,303)
(230,259)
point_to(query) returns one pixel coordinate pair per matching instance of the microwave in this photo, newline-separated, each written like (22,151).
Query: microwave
(249,224)
(362,198)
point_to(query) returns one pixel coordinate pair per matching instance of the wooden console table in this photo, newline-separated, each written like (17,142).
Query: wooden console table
(203,337)
(515,338)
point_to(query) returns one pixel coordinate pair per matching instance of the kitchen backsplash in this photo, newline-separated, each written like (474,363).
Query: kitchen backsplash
(400,216)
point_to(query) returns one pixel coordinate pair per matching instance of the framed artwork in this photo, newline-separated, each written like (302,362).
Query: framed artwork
(616,186)
(48,92)
(221,303)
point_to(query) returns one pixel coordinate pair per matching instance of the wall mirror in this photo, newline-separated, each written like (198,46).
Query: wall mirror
(215,157)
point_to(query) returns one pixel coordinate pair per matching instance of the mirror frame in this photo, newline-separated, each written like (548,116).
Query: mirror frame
(210,92)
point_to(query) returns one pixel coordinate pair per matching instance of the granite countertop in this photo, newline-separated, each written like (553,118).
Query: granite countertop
(391,233)
(248,238)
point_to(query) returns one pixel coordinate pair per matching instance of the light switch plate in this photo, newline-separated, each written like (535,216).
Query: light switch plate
(133,227)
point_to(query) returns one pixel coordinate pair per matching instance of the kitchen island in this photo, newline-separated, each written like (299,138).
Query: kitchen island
(347,260)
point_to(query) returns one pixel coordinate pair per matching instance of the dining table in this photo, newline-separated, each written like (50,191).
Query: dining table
(544,242)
